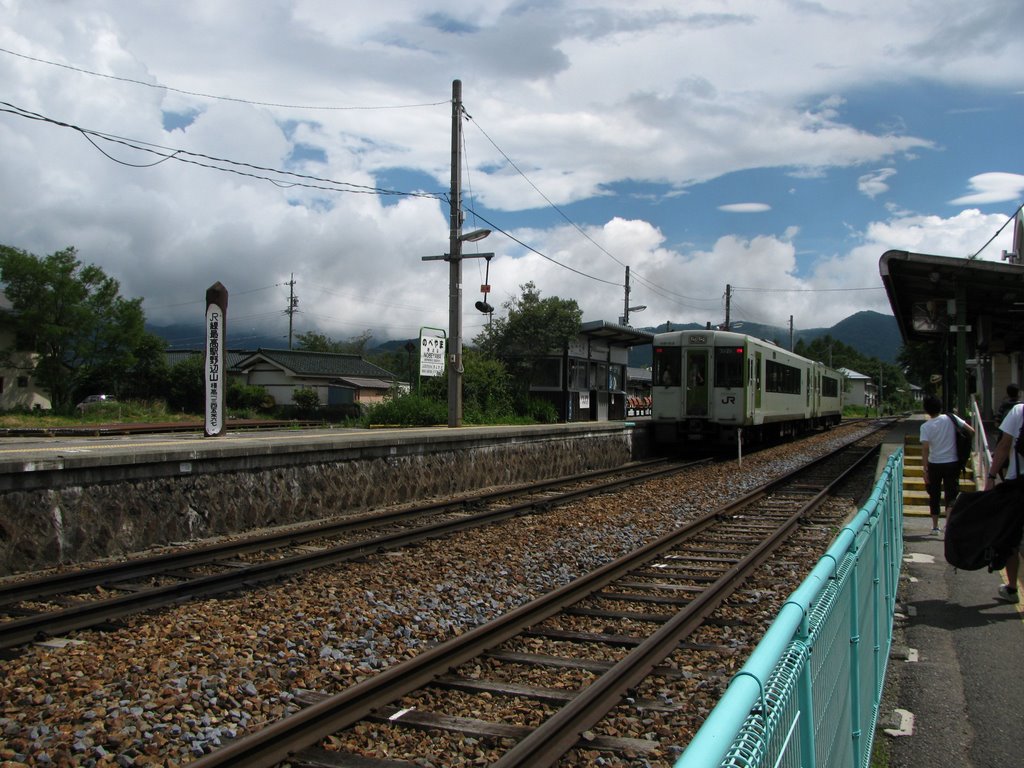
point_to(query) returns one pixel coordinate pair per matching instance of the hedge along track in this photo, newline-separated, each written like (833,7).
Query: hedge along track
(61,602)
(674,583)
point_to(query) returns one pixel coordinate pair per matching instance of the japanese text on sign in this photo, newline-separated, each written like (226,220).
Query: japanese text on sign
(214,364)
(432,352)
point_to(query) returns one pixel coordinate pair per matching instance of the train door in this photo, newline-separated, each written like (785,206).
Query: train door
(697,389)
(666,382)
(757,381)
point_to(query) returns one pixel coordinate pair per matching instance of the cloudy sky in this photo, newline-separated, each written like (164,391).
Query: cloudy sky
(777,146)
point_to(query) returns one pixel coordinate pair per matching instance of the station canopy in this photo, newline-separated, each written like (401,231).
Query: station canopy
(923,292)
(616,335)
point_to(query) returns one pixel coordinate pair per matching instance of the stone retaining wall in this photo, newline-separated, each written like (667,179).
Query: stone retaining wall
(66,524)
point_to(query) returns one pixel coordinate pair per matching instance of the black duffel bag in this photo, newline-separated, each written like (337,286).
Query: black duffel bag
(984,527)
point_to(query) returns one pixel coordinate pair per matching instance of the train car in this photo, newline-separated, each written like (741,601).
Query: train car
(713,388)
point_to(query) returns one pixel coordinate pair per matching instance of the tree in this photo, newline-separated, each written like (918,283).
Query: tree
(186,387)
(831,352)
(487,391)
(73,317)
(921,360)
(532,330)
(147,378)
(312,341)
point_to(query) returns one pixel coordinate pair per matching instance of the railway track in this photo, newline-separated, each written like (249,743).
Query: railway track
(591,643)
(61,602)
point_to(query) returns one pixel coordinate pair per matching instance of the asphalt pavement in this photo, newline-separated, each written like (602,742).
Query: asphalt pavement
(961,689)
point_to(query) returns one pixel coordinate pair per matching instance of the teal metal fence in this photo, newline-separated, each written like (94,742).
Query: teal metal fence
(808,696)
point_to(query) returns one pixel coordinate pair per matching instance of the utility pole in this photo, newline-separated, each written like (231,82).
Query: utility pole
(293,303)
(455,265)
(454,258)
(728,300)
(625,304)
(790,333)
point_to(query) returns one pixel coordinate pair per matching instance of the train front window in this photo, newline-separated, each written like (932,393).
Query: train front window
(729,366)
(668,366)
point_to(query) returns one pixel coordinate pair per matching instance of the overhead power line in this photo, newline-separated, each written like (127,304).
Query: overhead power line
(998,231)
(515,239)
(648,284)
(300,179)
(215,97)
(290,178)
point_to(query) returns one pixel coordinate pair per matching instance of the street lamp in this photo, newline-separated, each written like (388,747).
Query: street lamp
(474,235)
(624,320)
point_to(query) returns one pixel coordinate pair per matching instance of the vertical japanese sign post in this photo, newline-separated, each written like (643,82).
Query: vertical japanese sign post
(214,372)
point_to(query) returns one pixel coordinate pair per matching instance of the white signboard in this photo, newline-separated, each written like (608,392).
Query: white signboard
(432,354)
(584,400)
(214,370)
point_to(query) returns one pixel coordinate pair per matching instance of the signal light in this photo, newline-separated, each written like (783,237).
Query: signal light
(484,307)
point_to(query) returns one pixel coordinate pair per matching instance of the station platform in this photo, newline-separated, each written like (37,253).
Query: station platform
(955,683)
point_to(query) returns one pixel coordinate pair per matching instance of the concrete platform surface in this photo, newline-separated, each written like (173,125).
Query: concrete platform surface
(961,690)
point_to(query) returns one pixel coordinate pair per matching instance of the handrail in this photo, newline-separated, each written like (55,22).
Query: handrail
(789,706)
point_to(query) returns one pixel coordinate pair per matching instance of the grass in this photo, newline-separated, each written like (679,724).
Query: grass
(131,412)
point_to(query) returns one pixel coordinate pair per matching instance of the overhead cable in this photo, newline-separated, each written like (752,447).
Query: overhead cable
(158,86)
(998,231)
(197,158)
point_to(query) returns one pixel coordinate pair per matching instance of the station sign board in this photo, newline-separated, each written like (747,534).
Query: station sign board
(433,346)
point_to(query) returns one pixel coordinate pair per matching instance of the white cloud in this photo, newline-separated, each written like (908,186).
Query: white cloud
(874,184)
(993,188)
(745,207)
(635,120)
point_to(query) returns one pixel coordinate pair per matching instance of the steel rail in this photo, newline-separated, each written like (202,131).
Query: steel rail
(560,732)
(22,630)
(279,740)
(109,574)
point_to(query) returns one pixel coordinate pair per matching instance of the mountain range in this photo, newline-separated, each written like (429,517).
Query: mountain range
(870,333)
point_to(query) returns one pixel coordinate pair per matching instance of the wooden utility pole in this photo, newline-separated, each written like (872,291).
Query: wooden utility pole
(454,258)
(293,302)
(455,265)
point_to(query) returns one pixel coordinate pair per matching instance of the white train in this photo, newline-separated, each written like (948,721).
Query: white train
(712,387)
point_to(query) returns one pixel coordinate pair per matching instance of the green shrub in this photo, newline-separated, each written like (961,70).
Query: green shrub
(408,411)
(306,398)
(540,411)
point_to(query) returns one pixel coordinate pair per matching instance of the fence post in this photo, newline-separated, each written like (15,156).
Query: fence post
(805,692)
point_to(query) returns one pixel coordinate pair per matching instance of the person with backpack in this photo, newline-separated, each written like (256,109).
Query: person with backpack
(1007,456)
(1011,399)
(939,457)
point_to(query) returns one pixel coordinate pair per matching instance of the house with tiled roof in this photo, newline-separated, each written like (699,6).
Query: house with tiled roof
(18,388)
(337,378)
(860,389)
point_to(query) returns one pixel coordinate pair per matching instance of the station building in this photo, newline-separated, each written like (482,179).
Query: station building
(589,379)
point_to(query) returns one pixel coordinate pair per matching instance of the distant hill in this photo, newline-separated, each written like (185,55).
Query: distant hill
(191,336)
(870,333)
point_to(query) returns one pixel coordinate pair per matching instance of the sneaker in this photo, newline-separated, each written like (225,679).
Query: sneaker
(935,531)
(1007,594)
